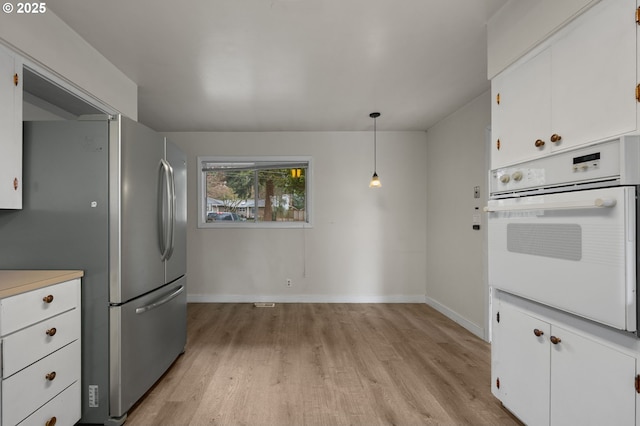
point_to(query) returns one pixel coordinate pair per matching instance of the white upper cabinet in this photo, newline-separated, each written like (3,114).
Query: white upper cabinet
(593,76)
(521,110)
(578,87)
(10,130)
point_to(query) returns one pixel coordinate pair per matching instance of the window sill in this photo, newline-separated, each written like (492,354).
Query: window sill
(254,225)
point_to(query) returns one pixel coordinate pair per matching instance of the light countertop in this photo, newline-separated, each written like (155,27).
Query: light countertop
(14,282)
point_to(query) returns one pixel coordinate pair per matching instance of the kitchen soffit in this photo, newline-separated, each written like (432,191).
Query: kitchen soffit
(45,90)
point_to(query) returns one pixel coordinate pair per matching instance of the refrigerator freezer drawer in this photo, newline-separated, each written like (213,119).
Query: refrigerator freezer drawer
(147,335)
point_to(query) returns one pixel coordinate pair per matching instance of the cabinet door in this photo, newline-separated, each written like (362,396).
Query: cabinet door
(10,131)
(594,76)
(591,384)
(521,116)
(520,364)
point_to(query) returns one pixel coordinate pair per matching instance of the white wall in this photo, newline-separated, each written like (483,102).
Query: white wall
(46,41)
(456,163)
(366,245)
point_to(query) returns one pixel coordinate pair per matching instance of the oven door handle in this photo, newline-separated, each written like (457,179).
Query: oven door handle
(595,204)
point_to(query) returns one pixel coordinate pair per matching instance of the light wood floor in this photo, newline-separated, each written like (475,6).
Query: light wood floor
(324,364)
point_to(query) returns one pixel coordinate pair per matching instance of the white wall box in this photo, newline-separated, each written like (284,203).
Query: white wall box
(577,87)
(582,378)
(10,130)
(518,27)
(40,332)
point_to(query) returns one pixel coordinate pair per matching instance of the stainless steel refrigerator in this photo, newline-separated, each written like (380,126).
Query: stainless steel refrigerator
(108,195)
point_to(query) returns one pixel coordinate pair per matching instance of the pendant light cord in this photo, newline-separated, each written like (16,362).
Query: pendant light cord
(375,148)
(375,115)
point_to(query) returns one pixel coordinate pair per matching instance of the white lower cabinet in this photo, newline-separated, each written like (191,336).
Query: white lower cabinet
(520,367)
(549,373)
(41,356)
(63,409)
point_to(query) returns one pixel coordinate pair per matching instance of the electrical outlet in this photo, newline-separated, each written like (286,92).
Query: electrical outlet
(289,283)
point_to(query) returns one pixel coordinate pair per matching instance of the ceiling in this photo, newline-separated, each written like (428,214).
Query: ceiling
(291,65)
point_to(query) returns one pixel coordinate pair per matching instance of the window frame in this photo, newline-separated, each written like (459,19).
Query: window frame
(202,196)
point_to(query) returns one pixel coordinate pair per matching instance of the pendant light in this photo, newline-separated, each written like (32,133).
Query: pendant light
(375,180)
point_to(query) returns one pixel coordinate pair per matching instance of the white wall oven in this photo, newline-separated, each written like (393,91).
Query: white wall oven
(563,231)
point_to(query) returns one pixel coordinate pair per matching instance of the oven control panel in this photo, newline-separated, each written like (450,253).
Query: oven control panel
(585,163)
(601,164)
(515,178)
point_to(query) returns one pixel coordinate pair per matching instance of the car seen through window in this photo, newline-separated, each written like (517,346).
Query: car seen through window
(217,216)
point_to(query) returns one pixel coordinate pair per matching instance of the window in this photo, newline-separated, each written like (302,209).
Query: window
(254,192)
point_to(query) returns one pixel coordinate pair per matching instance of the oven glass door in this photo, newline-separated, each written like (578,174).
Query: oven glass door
(575,251)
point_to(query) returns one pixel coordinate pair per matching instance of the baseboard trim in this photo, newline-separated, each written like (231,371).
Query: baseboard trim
(302,298)
(322,298)
(455,317)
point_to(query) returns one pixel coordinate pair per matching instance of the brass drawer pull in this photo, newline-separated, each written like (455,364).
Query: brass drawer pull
(50,376)
(51,422)
(538,332)
(555,340)
(51,332)
(555,138)
(539,143)
(48,299)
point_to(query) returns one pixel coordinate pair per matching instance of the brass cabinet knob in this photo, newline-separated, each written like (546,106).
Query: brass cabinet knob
(555,138)
(555,340)
(539,143)
(51,332)
(538,332)
(50,376)
(498,144)
(48,299)
(51,422)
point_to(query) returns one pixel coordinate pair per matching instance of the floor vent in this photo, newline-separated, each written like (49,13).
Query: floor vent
(264,305)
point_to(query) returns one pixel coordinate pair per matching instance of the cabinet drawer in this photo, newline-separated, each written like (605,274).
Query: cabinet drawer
(26,391)
(66,408)
(33,343)
(28,308)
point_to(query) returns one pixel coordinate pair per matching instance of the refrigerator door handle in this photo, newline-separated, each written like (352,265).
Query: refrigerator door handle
(172,210)
(164,184)
(160,301)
